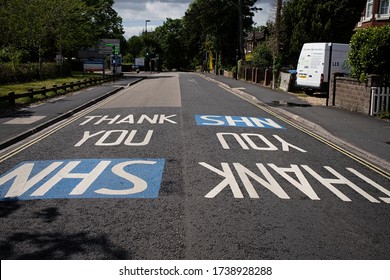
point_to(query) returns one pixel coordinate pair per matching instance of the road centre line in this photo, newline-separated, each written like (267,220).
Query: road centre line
(336,147)
(56,128)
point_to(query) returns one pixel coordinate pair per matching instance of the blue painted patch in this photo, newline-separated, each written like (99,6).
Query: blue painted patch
(83,178)
(236,121)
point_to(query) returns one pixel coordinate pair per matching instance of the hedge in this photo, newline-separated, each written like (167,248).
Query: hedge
(369,53)
(27,72)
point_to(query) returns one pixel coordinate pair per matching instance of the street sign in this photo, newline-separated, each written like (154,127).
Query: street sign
(106,46)
(93,65)
(140,61)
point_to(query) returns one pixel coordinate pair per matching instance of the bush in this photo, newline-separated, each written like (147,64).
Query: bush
(369,53)
(262,56)
(27,72)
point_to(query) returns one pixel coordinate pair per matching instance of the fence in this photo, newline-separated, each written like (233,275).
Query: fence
(12,97)
(254,75)
(380,100)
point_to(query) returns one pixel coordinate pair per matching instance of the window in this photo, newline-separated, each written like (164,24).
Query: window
(369,9)
(384,7)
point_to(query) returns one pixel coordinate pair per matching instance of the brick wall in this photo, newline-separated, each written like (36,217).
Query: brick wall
(352,95)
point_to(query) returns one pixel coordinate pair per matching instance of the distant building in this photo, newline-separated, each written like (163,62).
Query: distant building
(375,13)
(253,39)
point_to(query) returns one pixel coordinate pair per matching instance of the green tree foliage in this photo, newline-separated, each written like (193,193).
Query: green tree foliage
(173,45)
(134,48)
(47,27)
(103,19)
(206,26)
(262,56)
(214,25)
(306,21)
(369,53)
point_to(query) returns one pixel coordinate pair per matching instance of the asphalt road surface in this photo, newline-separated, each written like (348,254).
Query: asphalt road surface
(176,167)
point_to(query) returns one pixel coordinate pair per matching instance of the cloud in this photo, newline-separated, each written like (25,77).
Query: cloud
(135,12)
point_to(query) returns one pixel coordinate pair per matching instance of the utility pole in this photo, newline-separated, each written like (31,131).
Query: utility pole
(146,41)
(240,31)
(276,50)
(277,24)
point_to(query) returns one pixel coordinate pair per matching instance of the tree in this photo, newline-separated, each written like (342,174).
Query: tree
(305,21)
(43,25)
(262,56)
(44,28)
(27,25)
(104,19)
(68,27)
(369,53)
(215,26)
(134,48)
(171,36)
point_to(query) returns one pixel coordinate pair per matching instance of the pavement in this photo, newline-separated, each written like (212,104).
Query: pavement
(360,134)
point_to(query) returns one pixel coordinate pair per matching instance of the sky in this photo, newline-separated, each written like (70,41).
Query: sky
(134,13)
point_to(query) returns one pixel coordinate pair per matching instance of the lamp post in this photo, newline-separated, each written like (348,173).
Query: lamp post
(146,25)
(146,37)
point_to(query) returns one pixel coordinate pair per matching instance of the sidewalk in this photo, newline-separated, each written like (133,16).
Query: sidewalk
(20,124)
(361,134)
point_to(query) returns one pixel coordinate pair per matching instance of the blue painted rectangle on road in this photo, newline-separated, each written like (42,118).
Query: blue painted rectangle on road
(83,178)
(237,121)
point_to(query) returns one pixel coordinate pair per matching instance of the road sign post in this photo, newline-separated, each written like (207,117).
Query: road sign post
(111,47)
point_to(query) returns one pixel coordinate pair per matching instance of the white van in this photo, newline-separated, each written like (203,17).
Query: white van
(315,63)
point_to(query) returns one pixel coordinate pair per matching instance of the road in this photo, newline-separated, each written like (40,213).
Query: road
(177,167)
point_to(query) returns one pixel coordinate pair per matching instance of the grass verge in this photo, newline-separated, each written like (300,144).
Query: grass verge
(37,85)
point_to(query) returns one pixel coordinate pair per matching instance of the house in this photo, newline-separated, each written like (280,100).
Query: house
(253,39)
(375,13)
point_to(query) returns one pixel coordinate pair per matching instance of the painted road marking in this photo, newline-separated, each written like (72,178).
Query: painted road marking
(256,142)
(295,175)
(129,119)
(116,138)
(54,129)
(83,178)
(268,109)
(237,121)
(25,120)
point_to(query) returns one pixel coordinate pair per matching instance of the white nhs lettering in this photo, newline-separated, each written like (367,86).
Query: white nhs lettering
(88,178)
(237,121)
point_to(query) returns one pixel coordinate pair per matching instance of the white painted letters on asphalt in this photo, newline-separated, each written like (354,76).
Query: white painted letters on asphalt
(245,139)
(85,178)
(117,137)
(129,119)
(236,121)
(299,181)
